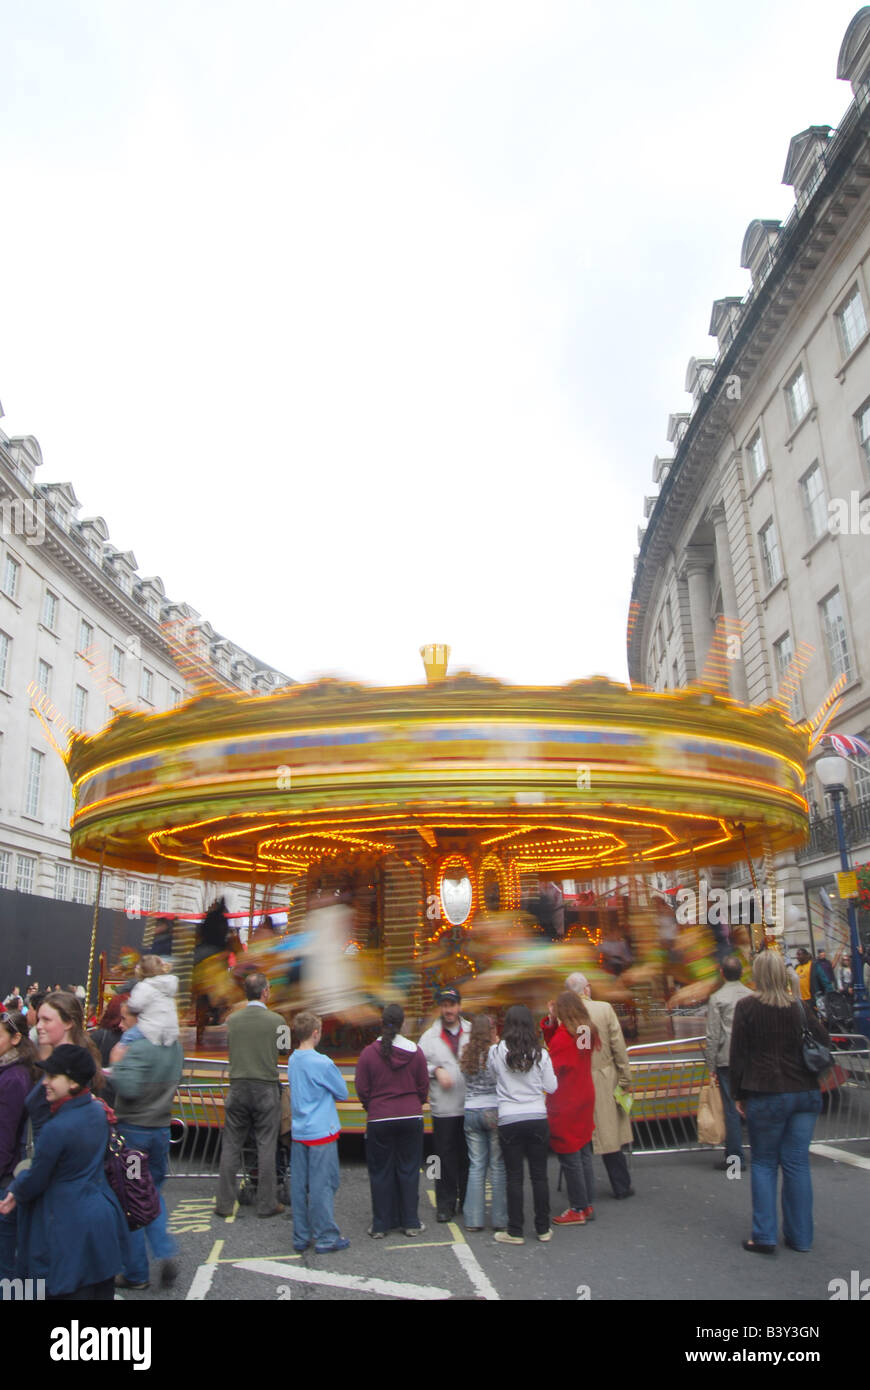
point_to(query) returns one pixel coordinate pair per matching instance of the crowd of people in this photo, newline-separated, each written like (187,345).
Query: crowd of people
(62,1089)
(501,1100)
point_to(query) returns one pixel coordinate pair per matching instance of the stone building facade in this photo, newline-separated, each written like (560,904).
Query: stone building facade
(83,635)
(754,563)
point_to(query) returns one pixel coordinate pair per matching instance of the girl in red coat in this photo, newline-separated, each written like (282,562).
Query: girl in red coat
(571,1109)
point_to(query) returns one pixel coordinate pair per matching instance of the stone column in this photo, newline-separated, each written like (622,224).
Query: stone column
(697,572)
(736,671)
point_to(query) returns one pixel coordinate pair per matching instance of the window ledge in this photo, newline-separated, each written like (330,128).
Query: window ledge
(780,584)
(820,540)
(810,415)
(847,362)
(50,630)
(10,599)
(763,478)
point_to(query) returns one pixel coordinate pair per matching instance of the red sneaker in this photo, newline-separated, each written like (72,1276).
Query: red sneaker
(589,1213)
(570,1218)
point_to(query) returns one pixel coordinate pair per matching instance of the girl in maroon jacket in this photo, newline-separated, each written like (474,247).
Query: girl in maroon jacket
(571,1109)
(392,1081)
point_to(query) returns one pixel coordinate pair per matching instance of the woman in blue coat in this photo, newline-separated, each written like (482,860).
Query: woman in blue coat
(71,1230)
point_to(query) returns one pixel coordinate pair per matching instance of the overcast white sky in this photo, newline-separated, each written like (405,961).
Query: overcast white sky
(360,323)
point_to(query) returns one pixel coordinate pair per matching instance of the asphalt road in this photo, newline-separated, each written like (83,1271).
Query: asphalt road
(679,1238)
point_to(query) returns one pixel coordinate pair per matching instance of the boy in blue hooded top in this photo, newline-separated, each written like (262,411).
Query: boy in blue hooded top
(315,1085)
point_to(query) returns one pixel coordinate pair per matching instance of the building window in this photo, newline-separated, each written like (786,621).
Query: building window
(755,457)
(61,882)
(174,697)
(5,649)
(82,888)
(861,777)
(49,610)
(852,322)
(783,655)
(5,859)
(43,676)
(34,782)
(815,503)
(118,663)
(86,636)
(80,707)
(146,687)
(11,571)
(770,555)
(25,869)
(146,891)
(797,397)
(164,898)
(675,676)
(862,424)
(669,617)
(836,637)
(105,890)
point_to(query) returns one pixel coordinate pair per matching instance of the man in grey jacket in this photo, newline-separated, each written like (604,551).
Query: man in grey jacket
(720,1017)
(442,1045)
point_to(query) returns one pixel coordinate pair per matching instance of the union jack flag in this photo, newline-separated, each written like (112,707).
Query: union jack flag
(849,745)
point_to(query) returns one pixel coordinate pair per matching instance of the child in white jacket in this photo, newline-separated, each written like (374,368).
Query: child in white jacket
(153,1001)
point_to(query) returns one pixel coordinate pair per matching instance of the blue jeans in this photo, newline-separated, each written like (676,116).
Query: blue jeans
(579,1177)
(313,1184)
(484,1151)
(733,1130)
(155,1143)
(780,1131)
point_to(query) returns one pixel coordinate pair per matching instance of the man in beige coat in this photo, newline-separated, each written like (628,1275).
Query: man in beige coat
(610,1068)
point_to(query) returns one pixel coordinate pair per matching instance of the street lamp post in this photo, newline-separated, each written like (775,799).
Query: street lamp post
(832,774)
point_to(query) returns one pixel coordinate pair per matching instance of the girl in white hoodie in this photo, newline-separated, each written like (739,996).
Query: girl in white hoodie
(153,1001)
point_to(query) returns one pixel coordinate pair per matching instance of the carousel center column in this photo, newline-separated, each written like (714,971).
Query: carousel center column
(403,926)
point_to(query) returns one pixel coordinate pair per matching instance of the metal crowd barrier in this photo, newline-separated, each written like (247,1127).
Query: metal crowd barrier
(667,1080)
(666,1083)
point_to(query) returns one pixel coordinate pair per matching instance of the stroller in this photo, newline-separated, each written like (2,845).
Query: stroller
(250,1160)
(836,1012)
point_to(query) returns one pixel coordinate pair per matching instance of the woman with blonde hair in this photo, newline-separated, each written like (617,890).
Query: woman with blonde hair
(780,1099)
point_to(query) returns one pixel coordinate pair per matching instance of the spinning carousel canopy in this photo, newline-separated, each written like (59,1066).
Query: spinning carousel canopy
(576,781)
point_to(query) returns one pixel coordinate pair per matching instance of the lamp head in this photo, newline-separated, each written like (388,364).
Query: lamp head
(832,773)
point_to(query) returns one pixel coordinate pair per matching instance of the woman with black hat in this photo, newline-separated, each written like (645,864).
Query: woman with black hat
(71,1230)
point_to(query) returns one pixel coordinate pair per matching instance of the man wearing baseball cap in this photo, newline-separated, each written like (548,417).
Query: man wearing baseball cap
(442,1045)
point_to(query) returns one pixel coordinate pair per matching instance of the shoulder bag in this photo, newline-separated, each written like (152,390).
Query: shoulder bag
(129,1177)
(817,1057)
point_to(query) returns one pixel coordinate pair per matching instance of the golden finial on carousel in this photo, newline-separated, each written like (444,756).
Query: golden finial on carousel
(435,658)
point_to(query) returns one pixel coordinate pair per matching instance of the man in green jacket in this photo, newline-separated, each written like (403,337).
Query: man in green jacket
(254,1099)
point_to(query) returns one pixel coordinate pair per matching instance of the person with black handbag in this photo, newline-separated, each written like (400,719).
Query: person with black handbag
(778,1054)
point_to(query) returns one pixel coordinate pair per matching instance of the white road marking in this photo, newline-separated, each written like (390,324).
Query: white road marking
(202,1282)
(388,1287)
(467,1258)
(839,1155)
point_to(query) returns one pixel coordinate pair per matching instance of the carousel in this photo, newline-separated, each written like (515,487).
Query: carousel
(410,834)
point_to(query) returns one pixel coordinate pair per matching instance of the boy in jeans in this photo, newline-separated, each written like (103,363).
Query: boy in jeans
(315,1085)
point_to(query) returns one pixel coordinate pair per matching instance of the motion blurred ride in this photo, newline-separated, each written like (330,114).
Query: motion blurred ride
(416,831)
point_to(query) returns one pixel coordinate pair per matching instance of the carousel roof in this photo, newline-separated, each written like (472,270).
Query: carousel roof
(583,779)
